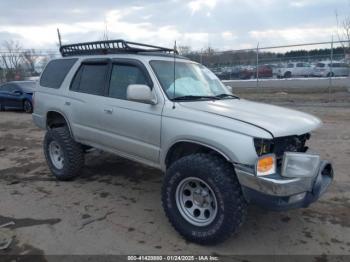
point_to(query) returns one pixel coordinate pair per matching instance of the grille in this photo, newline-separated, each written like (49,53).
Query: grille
(290,144)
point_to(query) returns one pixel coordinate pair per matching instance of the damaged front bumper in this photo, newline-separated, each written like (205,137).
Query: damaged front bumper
(280,191)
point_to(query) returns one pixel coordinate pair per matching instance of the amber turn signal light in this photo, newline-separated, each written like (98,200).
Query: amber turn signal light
(266,165)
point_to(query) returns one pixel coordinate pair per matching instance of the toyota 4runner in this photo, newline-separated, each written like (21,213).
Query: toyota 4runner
(146,103)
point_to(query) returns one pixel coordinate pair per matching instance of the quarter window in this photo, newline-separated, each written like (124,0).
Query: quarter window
(55,72)
(122,76)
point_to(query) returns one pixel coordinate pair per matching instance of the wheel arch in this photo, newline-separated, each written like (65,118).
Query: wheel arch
(183,148)
(55,118)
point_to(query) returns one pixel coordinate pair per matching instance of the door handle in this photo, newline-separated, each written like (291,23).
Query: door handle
(108,111)
(67,103)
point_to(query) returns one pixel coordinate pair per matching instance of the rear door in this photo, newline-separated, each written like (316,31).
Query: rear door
(87,102)
(10,99)
(16,96)
(4,95)
(299,70)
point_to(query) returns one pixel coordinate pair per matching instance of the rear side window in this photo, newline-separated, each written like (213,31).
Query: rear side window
(90,79)
(6,88)
(55,72)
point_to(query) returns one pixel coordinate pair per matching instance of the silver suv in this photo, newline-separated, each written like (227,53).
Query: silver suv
(148,104)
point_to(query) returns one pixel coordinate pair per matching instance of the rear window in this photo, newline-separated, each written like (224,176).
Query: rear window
(55,72)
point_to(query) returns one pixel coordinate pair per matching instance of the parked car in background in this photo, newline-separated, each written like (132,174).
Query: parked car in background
(294,69)
(248,72)
(328,69)
(228,73)
(265,71)
(17,95)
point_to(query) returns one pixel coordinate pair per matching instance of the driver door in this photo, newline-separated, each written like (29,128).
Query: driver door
(134,127)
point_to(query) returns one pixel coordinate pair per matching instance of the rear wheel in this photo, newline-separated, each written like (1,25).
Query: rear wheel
(64,156)
(27,106)
(330,74)
(202,198)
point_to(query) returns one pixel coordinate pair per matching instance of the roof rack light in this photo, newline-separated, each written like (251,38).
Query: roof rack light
(110,47)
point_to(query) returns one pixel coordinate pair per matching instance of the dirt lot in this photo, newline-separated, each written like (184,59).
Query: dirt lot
(114,207)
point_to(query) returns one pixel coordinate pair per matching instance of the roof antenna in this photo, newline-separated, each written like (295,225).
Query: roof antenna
(59,37)
(175,52)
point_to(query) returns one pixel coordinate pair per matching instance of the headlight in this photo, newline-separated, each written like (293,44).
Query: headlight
(263,146)
(266,165)
(300,165)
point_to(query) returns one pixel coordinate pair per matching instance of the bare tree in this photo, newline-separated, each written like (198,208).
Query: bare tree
(184,50)
(31,58)
(343,30)
(12,59)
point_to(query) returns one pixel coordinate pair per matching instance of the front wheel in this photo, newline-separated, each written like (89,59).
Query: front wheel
(202,198)
(288,74)
(64,156)
(27,106)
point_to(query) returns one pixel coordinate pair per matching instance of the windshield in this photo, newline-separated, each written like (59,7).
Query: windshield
(192,80)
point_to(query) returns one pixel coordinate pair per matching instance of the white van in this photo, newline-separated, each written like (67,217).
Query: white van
(328,69)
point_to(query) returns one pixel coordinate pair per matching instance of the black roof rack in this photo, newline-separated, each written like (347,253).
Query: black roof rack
(110,47)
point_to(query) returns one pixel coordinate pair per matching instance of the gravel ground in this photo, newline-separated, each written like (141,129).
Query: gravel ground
(114,206)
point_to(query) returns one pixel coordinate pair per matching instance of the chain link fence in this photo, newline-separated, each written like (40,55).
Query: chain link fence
(303,61)
(321,60)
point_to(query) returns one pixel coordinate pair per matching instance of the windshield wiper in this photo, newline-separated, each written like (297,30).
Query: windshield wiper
(227,95)
(191,97)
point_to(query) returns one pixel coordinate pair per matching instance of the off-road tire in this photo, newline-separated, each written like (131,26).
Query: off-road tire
(72,151)
(220,176)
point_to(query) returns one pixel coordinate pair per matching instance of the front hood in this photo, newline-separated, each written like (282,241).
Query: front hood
(277,120)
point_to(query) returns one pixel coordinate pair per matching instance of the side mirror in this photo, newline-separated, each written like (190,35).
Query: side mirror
(141,93)
(17,92)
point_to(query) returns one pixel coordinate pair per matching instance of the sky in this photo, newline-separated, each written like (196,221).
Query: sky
(220,24)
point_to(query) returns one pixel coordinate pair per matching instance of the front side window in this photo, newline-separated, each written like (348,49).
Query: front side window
(90,79)
(191,79)
(122,76)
